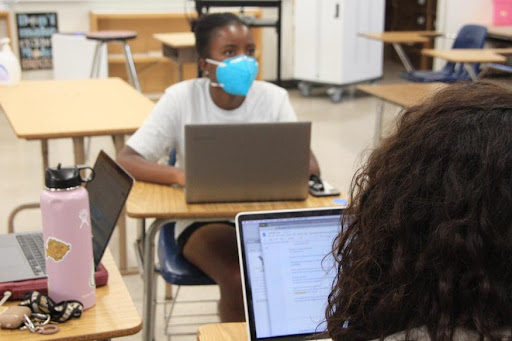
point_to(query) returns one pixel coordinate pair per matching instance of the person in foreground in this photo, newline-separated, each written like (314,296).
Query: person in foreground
(426,247)
(227,94)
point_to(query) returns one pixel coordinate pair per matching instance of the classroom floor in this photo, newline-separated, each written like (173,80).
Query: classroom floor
(342,136)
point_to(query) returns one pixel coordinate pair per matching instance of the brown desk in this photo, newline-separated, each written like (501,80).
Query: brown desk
(404,95)
(222,332)
(396,38)
(114,314)
(167,203)
(500,32)
(179,47)
(468,56)
(43,110)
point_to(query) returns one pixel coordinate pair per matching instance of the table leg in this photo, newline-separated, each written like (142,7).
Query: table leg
(403,57)
(78,149)
(471,71)
(121,223)
(149,304)
(44,154)
(378,123)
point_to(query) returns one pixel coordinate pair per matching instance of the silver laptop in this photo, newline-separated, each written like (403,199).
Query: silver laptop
(287,271)
(22,254)
(247,162)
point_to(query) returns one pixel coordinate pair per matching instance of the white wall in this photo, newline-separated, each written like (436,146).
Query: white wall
(453,14)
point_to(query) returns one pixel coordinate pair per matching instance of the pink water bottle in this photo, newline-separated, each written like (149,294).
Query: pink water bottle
(67,236)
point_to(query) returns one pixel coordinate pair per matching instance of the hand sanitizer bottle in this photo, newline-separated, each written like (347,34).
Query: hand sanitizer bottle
(10,71)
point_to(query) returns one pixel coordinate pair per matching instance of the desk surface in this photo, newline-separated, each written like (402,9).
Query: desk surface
(176,40)
(147,200)
(404,95)
(63,108)
(114,314)
(467,55)
(222,331)
(402,37)
(500,32)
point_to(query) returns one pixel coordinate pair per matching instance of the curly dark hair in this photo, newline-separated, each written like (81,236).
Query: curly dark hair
(427,238)
(205,28)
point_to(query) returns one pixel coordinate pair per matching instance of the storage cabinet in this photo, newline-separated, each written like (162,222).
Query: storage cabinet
(411,15)
(328,48)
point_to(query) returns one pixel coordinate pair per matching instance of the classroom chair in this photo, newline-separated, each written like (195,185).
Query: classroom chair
(469,37)
(175,269)
(103,37)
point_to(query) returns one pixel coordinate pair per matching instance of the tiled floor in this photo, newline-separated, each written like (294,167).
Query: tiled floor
(342,134)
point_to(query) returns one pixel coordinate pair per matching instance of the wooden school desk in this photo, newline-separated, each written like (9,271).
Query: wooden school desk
(468,56)
(179,47)
(222,331)
(114,314)
(397,38)
(404,95)
(43,110)
(503,33)
(167,203)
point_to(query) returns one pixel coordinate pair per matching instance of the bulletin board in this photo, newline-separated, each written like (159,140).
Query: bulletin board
(35,39)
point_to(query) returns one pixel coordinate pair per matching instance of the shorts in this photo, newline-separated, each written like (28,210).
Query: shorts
(185,235)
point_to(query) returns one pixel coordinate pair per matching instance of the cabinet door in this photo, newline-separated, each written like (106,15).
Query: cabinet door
(306,40)
(330,52)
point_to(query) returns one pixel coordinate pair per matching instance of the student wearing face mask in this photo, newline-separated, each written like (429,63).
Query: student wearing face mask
(227,94)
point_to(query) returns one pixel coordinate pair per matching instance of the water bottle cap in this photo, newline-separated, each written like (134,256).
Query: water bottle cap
(67,177)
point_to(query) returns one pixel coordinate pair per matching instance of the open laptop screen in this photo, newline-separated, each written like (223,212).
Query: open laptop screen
(287,270)
(107,195)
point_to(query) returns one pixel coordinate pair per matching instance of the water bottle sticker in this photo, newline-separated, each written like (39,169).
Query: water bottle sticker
(84,218)
(57,249)
(92,280)
(4,73)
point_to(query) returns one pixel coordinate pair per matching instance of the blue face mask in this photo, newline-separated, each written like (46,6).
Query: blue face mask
(236,74)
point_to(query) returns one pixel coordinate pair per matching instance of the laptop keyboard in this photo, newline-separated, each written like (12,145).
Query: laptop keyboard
(33,248)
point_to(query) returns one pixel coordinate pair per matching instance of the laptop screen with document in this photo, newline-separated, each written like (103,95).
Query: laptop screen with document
(287,270)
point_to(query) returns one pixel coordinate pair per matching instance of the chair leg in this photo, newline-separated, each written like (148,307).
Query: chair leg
(130,67)
(168,291)
(95,67)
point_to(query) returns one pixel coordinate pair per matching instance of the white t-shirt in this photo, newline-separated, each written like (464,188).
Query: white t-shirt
(189,102)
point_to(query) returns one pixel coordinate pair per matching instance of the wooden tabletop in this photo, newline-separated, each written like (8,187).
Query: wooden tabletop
(404,94)
(147,200)
(402,37)
(504,32)
(222,332)
(71,108)
(176,40)
(466,55)
(114,314)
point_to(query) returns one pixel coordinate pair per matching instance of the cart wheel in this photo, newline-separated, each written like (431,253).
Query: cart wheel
(305,88)
(335,94)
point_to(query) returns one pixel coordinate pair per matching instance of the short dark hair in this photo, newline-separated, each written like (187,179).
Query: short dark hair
(427,238)
(206,26)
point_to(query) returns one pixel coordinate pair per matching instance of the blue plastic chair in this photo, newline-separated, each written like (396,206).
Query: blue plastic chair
(174,268)
(469,37)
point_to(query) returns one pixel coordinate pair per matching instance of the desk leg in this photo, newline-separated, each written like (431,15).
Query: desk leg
(78,148)
(121,223)
(403,57)
(378,123)
(44,154)
(149,302)
(471,71)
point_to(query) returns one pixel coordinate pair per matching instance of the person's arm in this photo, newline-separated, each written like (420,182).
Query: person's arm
(313,164)
(144,170)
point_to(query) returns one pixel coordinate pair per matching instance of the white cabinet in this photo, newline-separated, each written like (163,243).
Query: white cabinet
(328,48)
